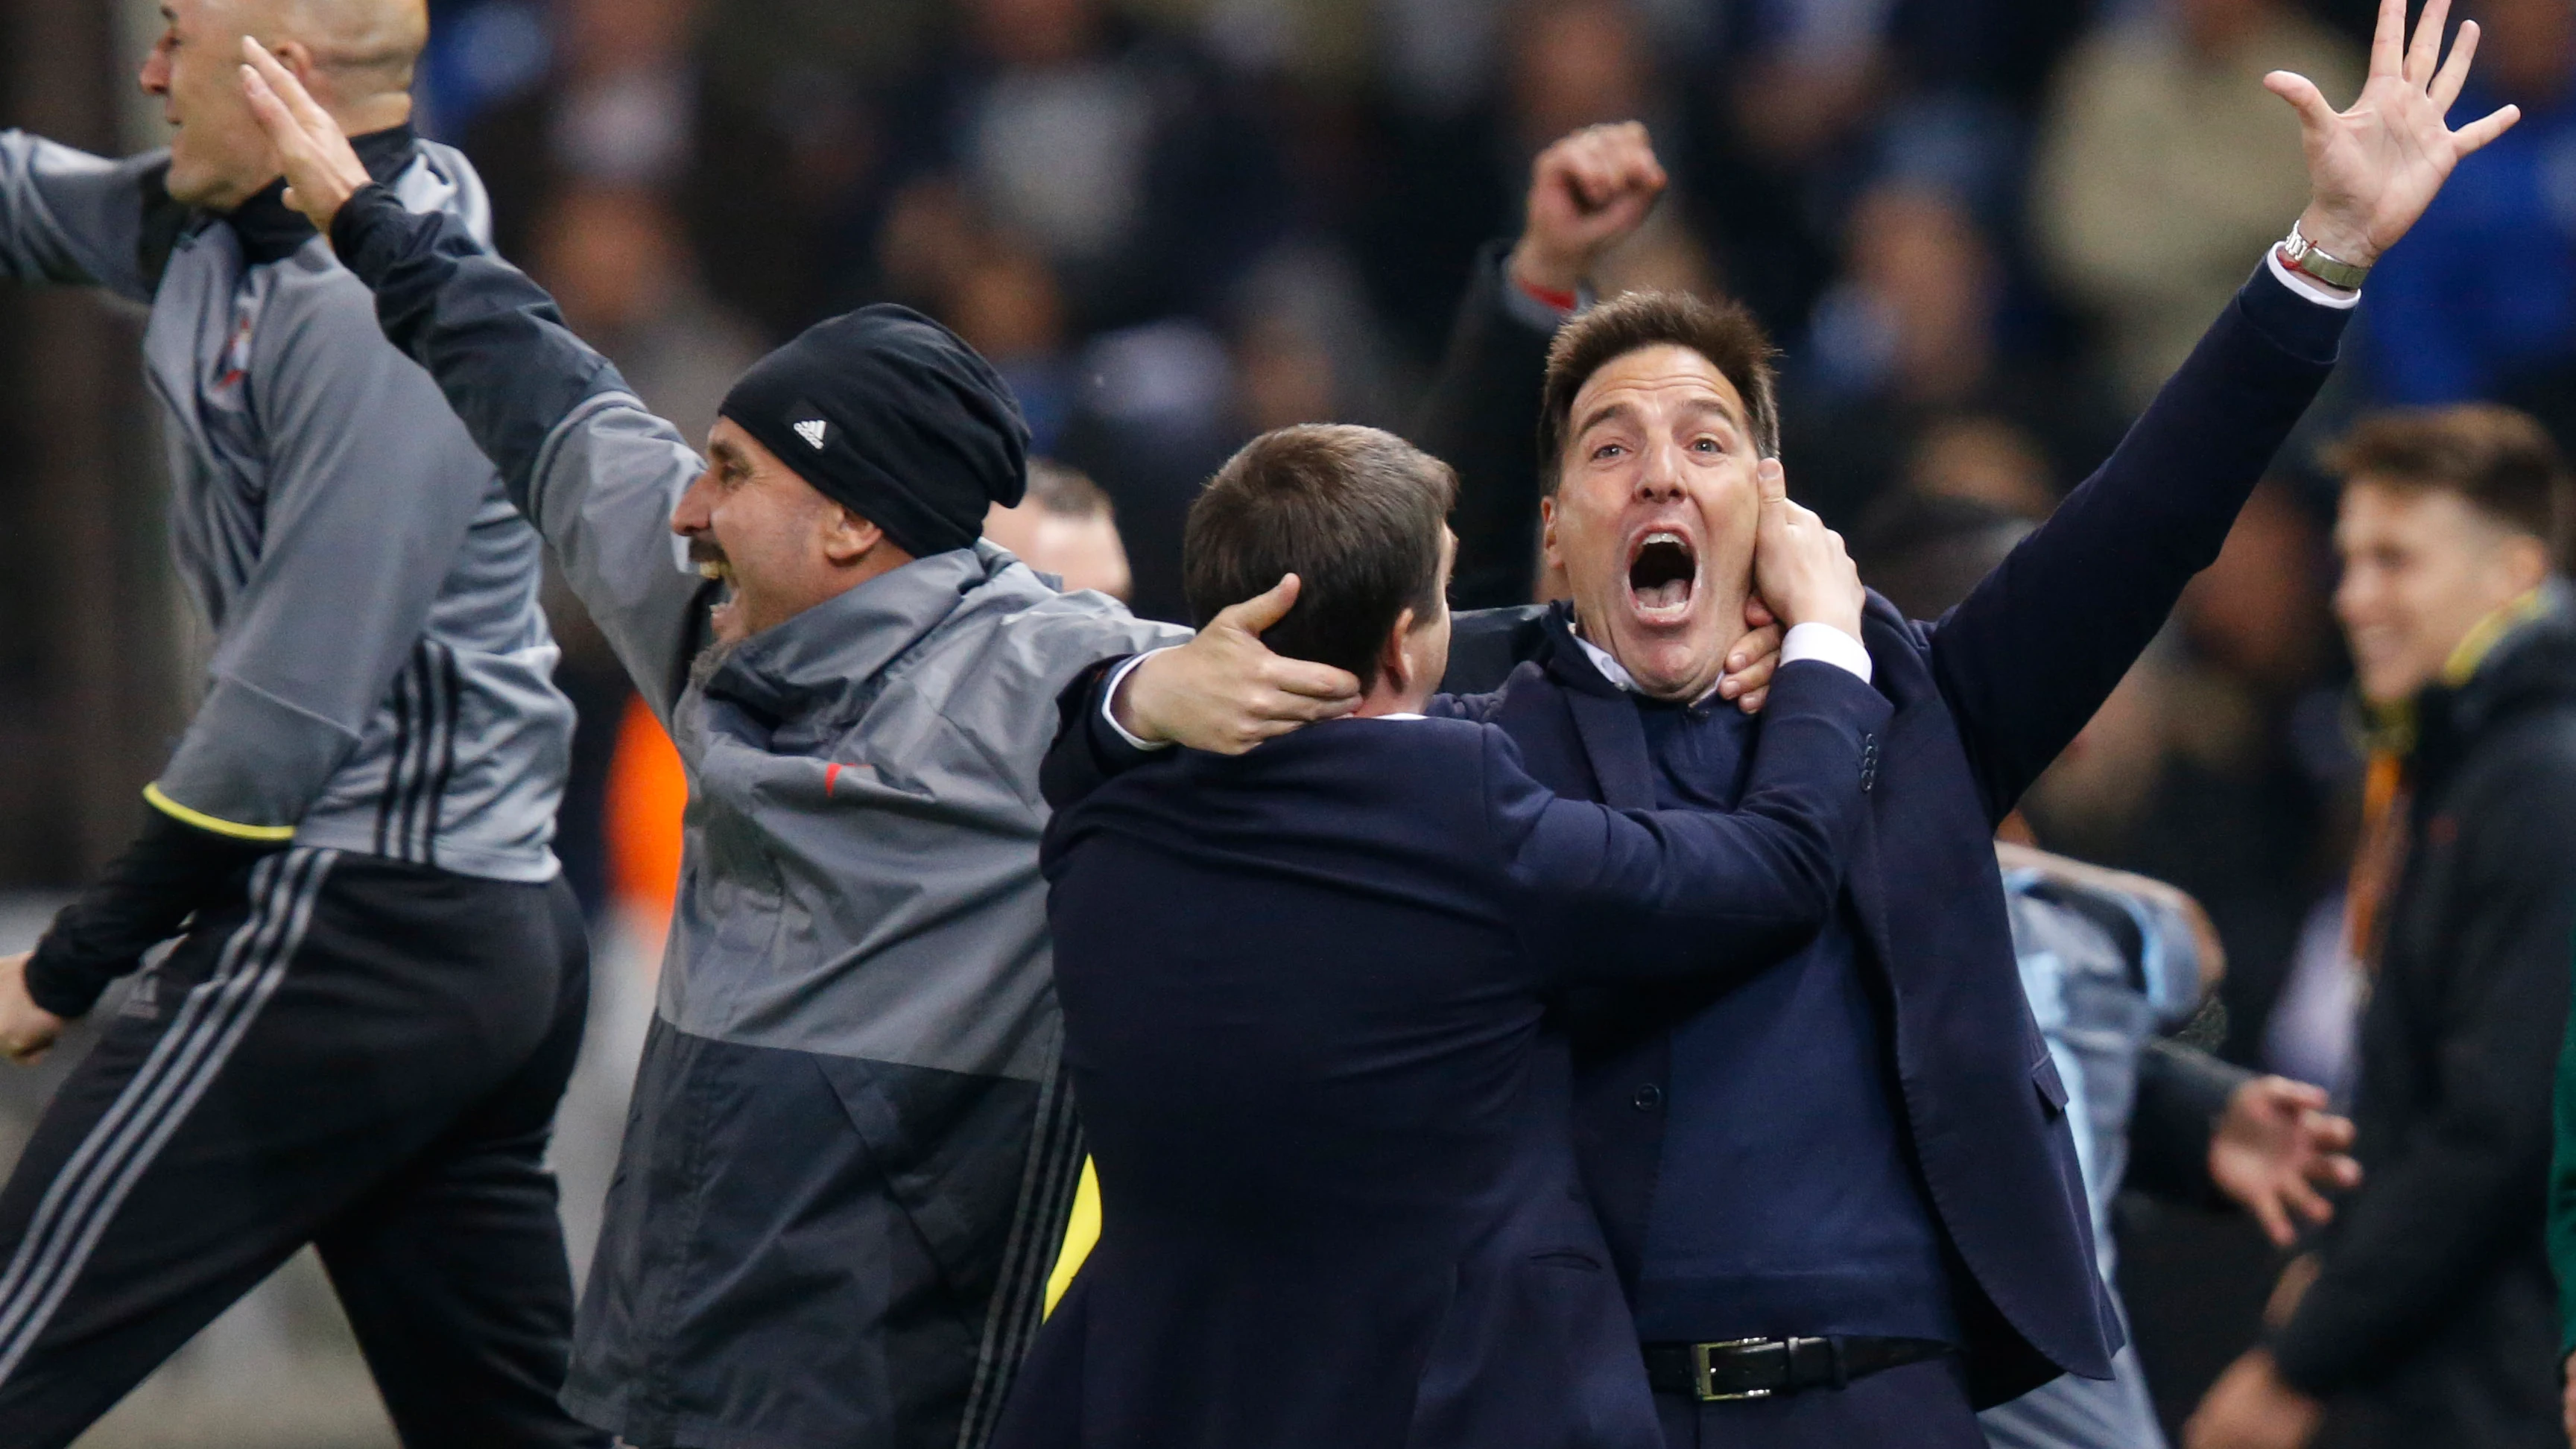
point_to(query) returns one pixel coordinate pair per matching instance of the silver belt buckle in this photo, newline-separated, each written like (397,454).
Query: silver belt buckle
(1708,1393)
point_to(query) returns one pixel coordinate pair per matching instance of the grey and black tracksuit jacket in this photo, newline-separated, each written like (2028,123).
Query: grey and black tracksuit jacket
(850,1154)
(361,1036)
(382,677)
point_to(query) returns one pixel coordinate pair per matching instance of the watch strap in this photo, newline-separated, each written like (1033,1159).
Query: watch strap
(2302,255)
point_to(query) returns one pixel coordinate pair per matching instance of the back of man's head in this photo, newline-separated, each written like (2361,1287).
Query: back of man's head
(1359,515)
(2499,461)
(367,46)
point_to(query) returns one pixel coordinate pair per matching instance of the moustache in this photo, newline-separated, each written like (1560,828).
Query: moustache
(705,551)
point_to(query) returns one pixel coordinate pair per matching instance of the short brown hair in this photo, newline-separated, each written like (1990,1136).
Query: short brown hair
(1723,332)
(1356,514)
(2501,461)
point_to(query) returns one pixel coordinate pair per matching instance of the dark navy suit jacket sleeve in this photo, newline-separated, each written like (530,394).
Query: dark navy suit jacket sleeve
(1478,417)
(1087,753)
(2029,656)
(1630,893)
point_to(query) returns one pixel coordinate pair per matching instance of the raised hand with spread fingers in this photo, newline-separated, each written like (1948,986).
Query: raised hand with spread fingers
(2373,168)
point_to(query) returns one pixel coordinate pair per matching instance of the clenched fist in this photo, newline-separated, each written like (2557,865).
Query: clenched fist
(1588,192)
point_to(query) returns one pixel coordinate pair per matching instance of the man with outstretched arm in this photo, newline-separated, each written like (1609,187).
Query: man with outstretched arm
(1844,1195)
(851,1153)
(380,981)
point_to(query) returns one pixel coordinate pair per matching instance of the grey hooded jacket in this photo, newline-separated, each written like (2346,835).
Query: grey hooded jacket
(382,678)
(850,1156)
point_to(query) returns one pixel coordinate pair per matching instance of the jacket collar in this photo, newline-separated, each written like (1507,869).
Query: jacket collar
(1569,661)
(825,664)
(2523,657)
(1605,718)
(270,231)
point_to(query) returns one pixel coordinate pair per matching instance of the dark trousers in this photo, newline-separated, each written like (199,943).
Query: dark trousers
(1919,1406)
(362,1055)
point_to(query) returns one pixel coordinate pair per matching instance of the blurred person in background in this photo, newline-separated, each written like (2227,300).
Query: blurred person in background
(617,260)
(1065,529)
(1910,341)
(2160,165)
(360,1039)
(1116,148)
(2217,764)
(627,103)
(940,251)
(2426,1314)
(1160,405)
(1982,460)
(2112,965)
(620,266)
(2446,324)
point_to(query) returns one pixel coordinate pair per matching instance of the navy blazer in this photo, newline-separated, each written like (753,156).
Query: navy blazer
(1985,699)
(1302,993)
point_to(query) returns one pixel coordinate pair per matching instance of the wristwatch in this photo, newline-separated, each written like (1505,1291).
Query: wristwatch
(2301,255)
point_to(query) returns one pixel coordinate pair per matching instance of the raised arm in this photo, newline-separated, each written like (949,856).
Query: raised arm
(73,219)
(579,454)
(2028,658)
(1588,192)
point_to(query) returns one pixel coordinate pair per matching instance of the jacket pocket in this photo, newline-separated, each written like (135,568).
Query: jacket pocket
(1574,1258)
(2051,1086)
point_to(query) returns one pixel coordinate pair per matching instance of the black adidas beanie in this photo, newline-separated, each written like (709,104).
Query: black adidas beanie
(895,418)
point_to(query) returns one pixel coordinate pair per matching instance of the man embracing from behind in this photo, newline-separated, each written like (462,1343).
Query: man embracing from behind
(1304,990)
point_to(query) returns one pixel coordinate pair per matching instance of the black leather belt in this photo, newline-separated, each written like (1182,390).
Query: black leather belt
(1759,1368)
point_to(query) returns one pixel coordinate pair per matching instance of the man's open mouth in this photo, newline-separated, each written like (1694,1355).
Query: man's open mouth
(1663,575)
(709,560)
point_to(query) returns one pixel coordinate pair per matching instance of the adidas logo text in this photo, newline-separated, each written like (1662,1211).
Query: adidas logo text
(811,430)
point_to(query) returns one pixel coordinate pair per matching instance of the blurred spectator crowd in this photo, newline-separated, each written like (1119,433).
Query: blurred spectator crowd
(1982,230)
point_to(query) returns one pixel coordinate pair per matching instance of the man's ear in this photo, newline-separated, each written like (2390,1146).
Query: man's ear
(297,58)
(1547,532)
(2526,562)
(299,61)
(847,538)
(1392,665)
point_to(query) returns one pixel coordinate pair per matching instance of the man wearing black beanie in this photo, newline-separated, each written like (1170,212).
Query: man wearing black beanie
(890,415)
(851,1154)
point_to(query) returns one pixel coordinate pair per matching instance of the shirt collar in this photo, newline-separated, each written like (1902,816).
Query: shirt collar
(1617,673)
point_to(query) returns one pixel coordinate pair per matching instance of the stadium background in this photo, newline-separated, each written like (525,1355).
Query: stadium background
(1982,229)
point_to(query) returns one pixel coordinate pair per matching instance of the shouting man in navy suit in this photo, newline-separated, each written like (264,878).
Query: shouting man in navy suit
(1843,1196)
(1304,990)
